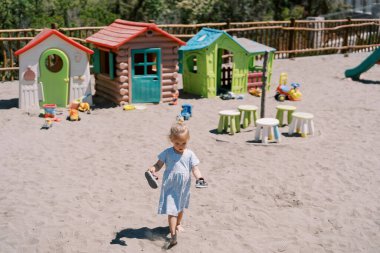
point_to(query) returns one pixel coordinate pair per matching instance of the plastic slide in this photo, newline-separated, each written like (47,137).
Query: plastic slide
(371,60)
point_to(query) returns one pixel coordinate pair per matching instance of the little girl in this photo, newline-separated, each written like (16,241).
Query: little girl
(175,190)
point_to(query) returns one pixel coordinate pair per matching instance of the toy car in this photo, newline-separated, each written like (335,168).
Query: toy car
(292,93)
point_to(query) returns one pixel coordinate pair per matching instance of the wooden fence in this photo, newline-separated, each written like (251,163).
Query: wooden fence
(292,38)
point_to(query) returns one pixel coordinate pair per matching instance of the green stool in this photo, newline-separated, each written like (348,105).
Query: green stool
(280,113)
(229,121)
(247,112)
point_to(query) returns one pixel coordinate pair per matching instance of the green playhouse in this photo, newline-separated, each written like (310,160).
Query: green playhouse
(213,62)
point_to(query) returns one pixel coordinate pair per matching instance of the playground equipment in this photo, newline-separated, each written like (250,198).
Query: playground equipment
(372,59)
(284,91)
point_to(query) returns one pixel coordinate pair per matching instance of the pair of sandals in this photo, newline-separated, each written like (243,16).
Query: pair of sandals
(153,181)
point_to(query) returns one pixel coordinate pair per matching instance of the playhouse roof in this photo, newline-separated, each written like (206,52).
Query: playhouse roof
(46,33)
(122,31)
(253,46)
(207,36)
(203,38)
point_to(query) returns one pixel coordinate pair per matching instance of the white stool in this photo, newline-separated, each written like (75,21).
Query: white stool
(302,123)
(268,125)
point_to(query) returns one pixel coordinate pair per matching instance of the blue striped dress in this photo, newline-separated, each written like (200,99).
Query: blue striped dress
(176,181)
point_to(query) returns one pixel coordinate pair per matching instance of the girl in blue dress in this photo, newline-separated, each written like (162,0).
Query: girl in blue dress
(176,181)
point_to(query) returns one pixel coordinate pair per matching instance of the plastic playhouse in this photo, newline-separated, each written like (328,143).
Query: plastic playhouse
(54,69)
(135,63)
(213,62)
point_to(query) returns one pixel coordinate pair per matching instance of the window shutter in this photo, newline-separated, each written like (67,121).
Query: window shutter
(96,61)
(111,65)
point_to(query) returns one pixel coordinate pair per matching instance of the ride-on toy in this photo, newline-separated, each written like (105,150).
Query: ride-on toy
(291,93)
(285,92)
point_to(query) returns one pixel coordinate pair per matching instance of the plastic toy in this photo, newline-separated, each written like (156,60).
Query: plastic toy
(54,69)
(284,92)
(186,112)
(175,98)
(49,110)
(145,74)
(73,115)
(128,107)
(213,61)
(48,124)
(84,107)
(255,92)
(227,96)
(292,93)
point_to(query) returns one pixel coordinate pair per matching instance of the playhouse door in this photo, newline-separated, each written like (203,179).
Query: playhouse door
(54,77)
(146,75)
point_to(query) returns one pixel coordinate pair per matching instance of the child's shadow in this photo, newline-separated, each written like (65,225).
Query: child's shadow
(158,233)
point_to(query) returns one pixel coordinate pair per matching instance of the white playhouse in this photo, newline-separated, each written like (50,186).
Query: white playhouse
(54,69)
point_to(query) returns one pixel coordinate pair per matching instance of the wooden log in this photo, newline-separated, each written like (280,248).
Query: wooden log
(167,100)
(166,94)
(110,89)
(173,75)
(170,69)
(125,98)
(169,88)
(122,72)
(122,65)
(123,92)
(122,79)
(124,86)
(169,63)
(122,52)
(169,57)
(106,96)
(169,82)
(120,59)
(104,80)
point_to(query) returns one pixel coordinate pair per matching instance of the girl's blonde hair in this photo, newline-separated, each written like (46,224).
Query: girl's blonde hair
(177,130)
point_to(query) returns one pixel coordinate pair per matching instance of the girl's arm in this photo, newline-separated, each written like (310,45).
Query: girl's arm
(156,167)
(196,172)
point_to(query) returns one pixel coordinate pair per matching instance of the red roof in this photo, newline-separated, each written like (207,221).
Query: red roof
(46,33)
(122,31)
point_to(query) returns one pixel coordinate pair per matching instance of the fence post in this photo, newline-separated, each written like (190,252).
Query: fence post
(346,35)
(264,86)
(291,37)
(228,25)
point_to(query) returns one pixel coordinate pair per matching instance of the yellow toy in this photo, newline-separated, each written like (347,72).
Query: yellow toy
(84,107)
(129,107)
(74,115)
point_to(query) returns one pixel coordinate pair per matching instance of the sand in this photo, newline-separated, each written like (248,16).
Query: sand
(80,186)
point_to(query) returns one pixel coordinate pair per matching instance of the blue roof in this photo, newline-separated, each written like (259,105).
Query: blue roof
(202,39)
(207,36)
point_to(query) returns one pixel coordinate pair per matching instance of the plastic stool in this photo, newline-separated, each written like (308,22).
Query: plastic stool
(229,120)
(247,112)
(302,123)
(280,113)
(268,125)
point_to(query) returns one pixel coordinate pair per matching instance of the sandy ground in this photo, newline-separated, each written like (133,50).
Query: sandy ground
(80,186)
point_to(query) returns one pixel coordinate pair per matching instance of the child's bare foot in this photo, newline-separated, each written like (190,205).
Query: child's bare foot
(179,228)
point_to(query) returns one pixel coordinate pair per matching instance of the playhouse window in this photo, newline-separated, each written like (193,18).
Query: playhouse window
(145,64)
(104,62)
(192,63)
(54,63)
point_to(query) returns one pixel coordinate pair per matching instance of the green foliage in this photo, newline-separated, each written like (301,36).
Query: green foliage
(74,13)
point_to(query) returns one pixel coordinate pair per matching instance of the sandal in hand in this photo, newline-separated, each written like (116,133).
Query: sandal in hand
(201,183)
